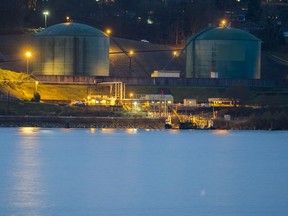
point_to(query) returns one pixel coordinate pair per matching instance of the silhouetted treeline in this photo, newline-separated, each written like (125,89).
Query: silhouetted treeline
(158,21)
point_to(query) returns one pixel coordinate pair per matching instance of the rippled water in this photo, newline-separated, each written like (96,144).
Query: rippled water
(143,173)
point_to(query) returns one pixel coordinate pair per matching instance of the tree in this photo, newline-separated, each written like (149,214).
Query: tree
(254,12)
(36,97)
(12,14)
(200,14)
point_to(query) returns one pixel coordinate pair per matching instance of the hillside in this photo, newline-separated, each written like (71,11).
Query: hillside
(22,86)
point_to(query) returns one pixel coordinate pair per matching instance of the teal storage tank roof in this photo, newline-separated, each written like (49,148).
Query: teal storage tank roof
(223,34)
(71,29)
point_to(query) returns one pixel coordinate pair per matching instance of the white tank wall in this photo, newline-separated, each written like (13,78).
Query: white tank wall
(68,55)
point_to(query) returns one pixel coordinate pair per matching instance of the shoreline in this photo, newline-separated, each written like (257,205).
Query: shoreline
(81,122)
(114,122)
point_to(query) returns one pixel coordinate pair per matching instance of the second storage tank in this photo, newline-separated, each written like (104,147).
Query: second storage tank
(223,53)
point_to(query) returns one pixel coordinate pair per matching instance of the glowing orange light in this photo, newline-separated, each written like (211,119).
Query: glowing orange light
(28,54)
(108,31)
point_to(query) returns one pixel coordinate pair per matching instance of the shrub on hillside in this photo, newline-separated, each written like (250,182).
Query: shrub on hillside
(36,97)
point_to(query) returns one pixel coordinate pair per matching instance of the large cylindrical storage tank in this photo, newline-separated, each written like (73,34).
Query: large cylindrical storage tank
(223,53)
(71,49)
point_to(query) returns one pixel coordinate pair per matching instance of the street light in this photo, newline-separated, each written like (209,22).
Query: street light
(131,96)
(131,52)
(36,86)
(135,105)
(223,23)
(175,54)
(28,55)
(45,13)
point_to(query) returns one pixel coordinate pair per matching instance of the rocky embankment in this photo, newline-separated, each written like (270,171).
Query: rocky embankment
(128,122)
(81,122)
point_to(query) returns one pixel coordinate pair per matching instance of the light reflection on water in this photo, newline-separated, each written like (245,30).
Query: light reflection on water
(28,130)
(131,130)
(142,172)
(223,132)
(28,191)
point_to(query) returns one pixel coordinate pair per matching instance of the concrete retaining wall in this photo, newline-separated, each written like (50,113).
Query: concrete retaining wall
(163,81)
(80,122)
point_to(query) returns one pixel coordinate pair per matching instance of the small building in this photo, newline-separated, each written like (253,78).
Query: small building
(103,100)
(156,98)
(220,102)
(166,73)
(190,102)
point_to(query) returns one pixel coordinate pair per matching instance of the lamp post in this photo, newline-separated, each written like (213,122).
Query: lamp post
(130,61)
(28,56)
(45,13)
(36,86)
(131,97)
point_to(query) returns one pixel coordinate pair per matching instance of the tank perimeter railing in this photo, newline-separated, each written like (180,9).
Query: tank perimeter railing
(208,82)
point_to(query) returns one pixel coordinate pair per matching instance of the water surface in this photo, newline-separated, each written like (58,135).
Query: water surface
(67,172)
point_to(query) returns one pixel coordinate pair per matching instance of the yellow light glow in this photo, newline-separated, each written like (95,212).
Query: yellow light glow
(107,130)
(174,131)
(45,13)
(67,18)
(131,130)
(131,52)
(175,53)
(223,132)
(92,130)
(223,23)
(28,54)
(108,31)
(28,130)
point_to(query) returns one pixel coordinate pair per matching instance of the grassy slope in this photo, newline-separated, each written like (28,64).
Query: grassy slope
(22,86)
(19,85)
